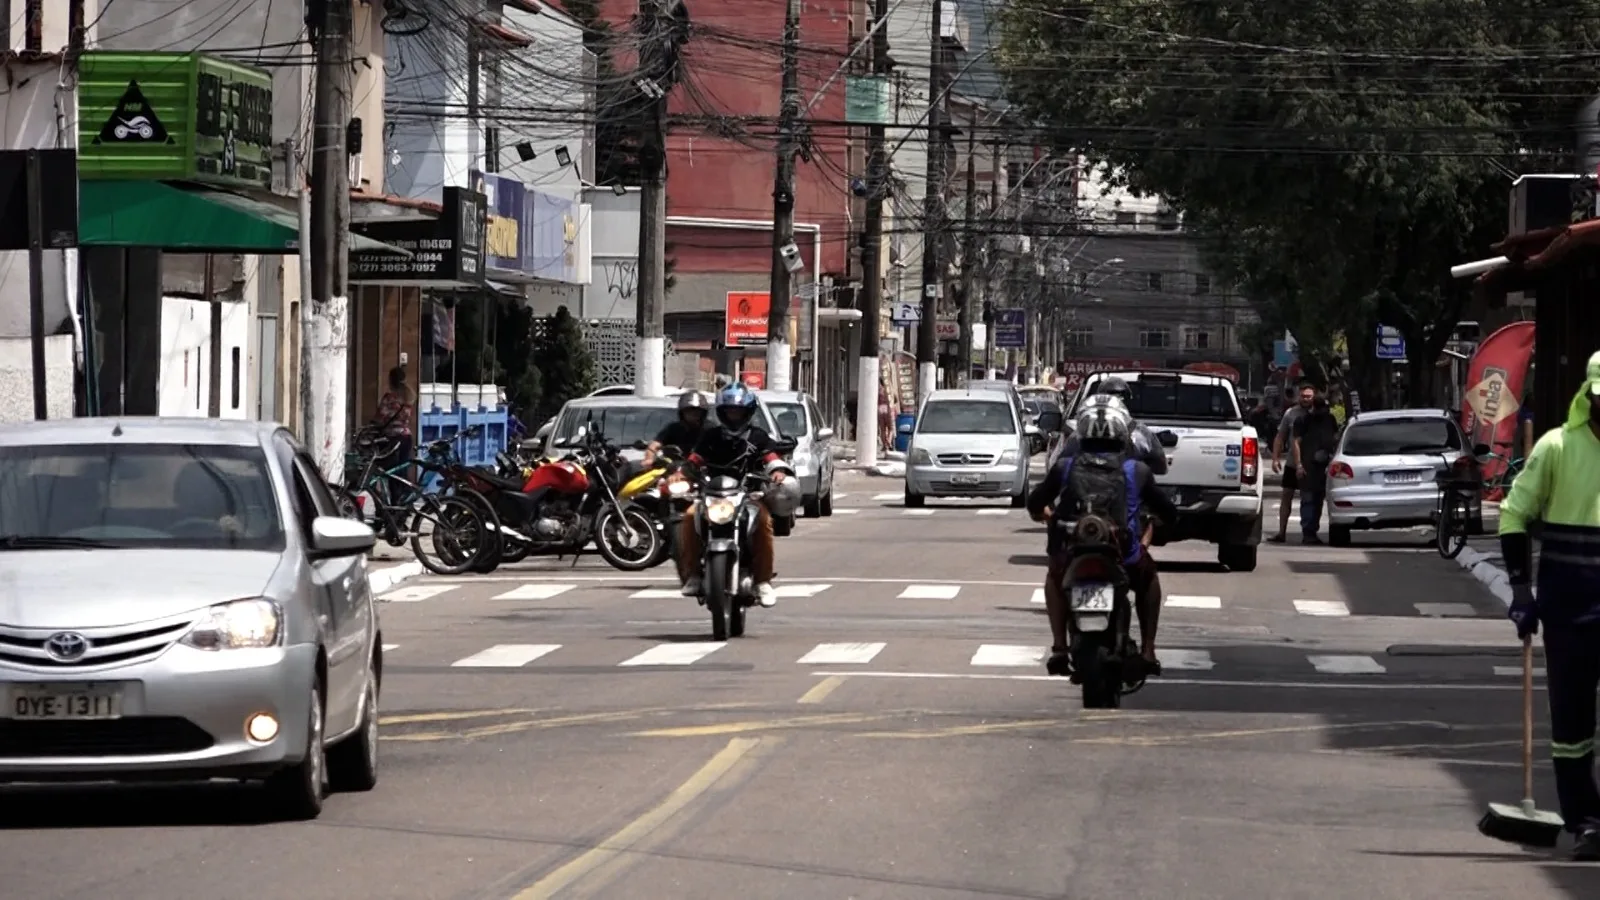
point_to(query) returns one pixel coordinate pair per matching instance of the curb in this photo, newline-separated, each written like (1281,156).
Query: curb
(1488,574)
(387,577)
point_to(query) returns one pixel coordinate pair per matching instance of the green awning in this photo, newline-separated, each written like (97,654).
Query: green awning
(164,216)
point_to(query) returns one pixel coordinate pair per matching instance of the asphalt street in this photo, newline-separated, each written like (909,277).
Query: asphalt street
(1329,726)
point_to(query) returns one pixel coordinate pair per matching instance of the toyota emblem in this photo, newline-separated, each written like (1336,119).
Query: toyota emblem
(68,646)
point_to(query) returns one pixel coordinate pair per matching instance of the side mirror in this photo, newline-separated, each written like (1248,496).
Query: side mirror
(1167,438)
(786,445)
(824,433)
(333,536)
(1481,450)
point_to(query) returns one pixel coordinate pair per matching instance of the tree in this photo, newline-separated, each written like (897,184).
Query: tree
(1334,186)
(566,368)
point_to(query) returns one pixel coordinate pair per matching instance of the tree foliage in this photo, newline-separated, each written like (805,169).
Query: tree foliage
(566,367)
(1335,157)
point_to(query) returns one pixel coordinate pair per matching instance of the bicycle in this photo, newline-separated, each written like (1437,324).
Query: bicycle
(1454,513)
(400,507)
(1510,468)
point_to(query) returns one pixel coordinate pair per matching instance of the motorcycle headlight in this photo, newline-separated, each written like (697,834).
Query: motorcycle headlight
(238,625)
(679,488)
(721,510)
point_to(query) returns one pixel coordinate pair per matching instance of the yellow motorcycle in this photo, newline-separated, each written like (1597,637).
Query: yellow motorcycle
(665,503)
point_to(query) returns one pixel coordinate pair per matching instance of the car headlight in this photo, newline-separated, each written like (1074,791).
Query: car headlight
(721,510)
(920,457)
(238,625)
(1008,458)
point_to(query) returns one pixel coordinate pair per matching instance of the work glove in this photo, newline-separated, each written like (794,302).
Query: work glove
(1523,612)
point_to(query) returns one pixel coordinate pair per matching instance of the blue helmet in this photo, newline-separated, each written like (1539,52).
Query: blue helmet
(736,407)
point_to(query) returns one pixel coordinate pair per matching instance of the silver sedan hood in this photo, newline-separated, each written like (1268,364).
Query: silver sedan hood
(104,588)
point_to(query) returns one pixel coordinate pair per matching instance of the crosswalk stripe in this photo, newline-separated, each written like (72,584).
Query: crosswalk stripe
(841,654)
(1193,660)
(506,656)
(930,592)
(916,512)
(799,590)
(674,654)
(1007,655)
(1346,665)
(390,647)
(1321,608)
(535,591)
(994,512)
(415,593)
(879,498)
(1185,601)
(655,594)
(1038,596)
(1446,610)
(1516,671)
(840,495)
(845,512)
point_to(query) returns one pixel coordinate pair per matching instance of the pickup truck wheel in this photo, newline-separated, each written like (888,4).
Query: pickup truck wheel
(1237,557)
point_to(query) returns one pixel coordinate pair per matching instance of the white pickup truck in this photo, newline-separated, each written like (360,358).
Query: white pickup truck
(1214,468)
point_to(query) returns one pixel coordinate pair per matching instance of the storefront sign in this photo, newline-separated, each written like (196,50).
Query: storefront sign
(550,242)
(746,322)
(506,225)
(1076,370)
(447,251)
(174,116)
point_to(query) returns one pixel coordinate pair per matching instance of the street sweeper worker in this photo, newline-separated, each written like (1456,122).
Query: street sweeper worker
(1560,485)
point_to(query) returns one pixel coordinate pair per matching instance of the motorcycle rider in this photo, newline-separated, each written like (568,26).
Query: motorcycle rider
(1103,431)
(683,433)
(735,447)
(1146,448)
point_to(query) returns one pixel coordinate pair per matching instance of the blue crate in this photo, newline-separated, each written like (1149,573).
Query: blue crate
(479,450)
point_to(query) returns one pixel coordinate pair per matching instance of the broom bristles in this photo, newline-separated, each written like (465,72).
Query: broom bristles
(1512,825)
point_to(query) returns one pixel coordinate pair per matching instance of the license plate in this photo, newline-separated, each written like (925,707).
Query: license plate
(1093,598)
(1402,478)
(966,479)
(65,703)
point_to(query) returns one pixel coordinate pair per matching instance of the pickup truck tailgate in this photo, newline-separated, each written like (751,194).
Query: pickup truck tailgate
(1203,457)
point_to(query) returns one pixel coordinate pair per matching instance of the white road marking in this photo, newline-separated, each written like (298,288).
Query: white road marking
(415,593)
(1008,655)
(655,594)
(535,592)
(506,656)
(841,654)
(678,654)
(1446,610)
(1196,682)
(917,512)
(799,590)
(930,592)
(879,498)
(839,494)
(1346,665)
(994,512)
(1516,671)
(389,647)
(845,512)
(1321,608)
(1189,601)
(1196,660)
(1038,596)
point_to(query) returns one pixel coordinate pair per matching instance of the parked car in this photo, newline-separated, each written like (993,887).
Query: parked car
(1044,413)
(968,443)
(183,600)
(1381,475)
(797,417)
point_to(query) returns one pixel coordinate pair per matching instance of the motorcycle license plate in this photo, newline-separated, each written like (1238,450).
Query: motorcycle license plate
(1093,598)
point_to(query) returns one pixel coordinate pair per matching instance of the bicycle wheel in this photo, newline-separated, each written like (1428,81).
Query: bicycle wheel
(494,542)
(454,531)
(1451,535)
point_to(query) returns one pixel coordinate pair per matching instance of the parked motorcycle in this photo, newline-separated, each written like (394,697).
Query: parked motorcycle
(666,500)
(725,519)
(1104,658)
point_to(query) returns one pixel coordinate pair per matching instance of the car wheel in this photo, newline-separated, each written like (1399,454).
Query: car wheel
(783,527)
(827,503)
(1018,501)
(914,501)
(297,792)
(1339,535)
(353,762)
(812,506)
(1237,557)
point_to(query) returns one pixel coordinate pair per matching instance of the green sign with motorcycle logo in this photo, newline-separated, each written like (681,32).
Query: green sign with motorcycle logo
(174,116)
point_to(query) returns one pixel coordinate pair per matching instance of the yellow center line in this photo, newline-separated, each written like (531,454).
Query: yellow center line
(820,691)
(456,716)
(1155,741)
(763,725)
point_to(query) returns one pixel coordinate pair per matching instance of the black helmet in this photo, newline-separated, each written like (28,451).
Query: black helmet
(692,401)
(1113,386)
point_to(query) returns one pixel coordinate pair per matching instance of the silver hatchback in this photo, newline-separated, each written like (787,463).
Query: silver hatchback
(969,443)
(180,599)
(1382,474)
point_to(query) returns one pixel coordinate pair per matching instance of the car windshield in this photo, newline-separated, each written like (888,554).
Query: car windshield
(167,496)
(1171,398)
(966,417)
(622,425)
(790,419)
(1397,436)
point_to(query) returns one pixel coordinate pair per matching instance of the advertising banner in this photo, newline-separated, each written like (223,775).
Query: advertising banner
(1495,381)
(1075,370)
(746,321)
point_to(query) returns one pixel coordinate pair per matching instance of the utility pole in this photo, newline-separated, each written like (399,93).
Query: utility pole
(785,255)
(329,344)
(872,252)
(933,215)
(657,61)
(988,300)
(969,250)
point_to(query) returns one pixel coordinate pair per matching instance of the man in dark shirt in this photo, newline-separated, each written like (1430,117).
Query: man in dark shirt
(1283,443)
(1316,435)
(683,433)
(1104,431)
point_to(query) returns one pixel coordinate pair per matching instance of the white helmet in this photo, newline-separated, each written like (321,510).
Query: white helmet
(1103,420)
(1107,401)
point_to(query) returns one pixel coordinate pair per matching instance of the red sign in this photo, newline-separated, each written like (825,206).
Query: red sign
(1075,370)
(1214,368)
(746,324)
(1495,380)
(754,380)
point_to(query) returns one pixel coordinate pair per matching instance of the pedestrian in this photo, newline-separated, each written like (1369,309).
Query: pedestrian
(1560,486)
(396,412)
(885,424)
(1316,434)
(1280,443)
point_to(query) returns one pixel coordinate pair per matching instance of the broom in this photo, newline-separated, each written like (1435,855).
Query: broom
(1524,823)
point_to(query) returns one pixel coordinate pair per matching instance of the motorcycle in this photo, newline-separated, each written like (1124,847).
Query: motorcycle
(726,520)
(1103,657)
(664,499)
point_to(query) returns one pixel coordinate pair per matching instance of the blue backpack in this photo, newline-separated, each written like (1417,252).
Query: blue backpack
(1102,484)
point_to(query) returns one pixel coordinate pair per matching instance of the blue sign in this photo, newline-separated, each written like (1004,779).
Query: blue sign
(1282,356)
(1390,343)
(550,242)
(1233,449)
(505,223)
(1010,329)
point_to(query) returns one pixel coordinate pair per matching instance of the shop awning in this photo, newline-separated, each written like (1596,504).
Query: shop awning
(164,216)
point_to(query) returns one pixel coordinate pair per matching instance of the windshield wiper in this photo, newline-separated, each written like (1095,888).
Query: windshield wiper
(43,542)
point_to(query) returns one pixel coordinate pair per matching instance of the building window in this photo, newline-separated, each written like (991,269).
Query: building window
(1079,337)
(1152,281)
(1196,339)
(1202,283)
(236,377)
(1155,338)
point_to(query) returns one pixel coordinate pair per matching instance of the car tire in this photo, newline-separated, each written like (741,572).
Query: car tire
(353,762)
(783,527)
(827,503)
(914,501)
(1237,557)
(1018,501)
(812,506)
(296,793)
(1339,535)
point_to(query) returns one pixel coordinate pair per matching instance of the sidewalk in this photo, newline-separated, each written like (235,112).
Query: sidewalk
(890,464)
(1482,557)
(388,566)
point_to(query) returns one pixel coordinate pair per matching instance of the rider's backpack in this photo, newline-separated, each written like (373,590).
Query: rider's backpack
(1100,484)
